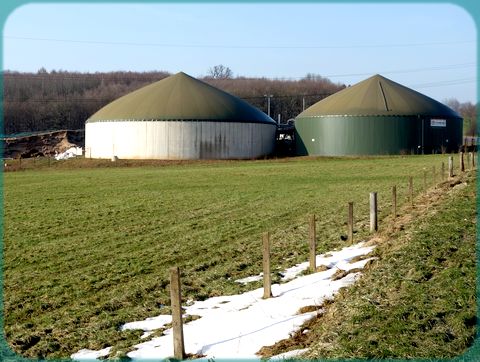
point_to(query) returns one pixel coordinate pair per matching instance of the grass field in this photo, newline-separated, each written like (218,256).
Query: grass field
(418,300)
(88,249)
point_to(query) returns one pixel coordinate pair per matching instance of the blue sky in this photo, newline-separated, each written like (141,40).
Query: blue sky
(430,48)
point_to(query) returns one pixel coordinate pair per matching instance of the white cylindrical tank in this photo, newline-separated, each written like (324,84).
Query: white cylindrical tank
(179,118)
(183,140)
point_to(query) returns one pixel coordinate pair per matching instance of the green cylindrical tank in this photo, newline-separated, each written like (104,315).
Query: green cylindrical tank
(375,117)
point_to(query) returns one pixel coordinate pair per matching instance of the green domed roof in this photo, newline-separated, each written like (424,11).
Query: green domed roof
(180,97)
(378,96)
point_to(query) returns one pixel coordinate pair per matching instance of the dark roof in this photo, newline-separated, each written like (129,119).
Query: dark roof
(378,96)
(180,97)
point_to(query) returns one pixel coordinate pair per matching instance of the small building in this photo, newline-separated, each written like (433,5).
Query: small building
(179,117)
(375,117)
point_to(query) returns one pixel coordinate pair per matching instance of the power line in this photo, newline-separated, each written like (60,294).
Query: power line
(414,70)
(445,83)
(228,46)
(100,100)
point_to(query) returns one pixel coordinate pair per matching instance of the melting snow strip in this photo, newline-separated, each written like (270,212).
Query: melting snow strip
(88,354)
(238,326)
(290,354)
(334,257)
(247,280)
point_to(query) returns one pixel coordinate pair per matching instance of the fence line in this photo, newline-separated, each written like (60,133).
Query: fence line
(175,291)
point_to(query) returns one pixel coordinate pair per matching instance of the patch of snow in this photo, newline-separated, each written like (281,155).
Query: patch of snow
(250,279)
(149,324)
(289,354)
(70,153)
(88,354)
(333,259)
(348,266)
(146,334)
(239,325)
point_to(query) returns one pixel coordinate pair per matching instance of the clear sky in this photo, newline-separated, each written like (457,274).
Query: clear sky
(430,48)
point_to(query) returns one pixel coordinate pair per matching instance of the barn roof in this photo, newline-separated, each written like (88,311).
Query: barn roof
(378,96)
(180,97)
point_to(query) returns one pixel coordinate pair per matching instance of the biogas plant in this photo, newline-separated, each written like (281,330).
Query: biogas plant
(183,118)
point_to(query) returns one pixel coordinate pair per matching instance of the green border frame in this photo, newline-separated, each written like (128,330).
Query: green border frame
(8,6)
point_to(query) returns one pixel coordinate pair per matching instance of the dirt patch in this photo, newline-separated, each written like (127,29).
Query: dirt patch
(296,341)
(359,258)
(300,337)
(339,274)
(44,144)
(322,268)
(309,309)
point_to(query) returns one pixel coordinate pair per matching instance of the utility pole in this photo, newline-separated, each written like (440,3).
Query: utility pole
(268,102)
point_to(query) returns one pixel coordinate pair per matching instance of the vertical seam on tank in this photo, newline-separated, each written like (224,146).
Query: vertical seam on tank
(384,98)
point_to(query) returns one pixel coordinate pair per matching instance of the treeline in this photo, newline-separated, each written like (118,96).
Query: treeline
(468,111)
(64,100)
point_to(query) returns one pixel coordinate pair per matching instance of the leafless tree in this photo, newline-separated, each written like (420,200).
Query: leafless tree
(468,111)
(220,72)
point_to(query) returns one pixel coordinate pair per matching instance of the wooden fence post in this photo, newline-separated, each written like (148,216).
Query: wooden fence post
(394,201)
(267,278)
(462,163)
(425,181)
(450,166)
(176,304)
(312,244)
(410,189)
(469,160)
(373,212)
(350,223)
(473,159)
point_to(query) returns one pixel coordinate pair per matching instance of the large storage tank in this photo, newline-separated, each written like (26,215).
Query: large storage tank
(179,117)
(374,117)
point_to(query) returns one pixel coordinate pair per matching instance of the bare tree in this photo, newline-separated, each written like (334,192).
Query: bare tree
(468,111)
(220,72)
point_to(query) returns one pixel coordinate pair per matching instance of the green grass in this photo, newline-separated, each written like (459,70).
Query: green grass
(418,300)
(86,250)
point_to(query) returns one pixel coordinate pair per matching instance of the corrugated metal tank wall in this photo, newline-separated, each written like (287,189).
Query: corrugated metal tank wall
(448,138)
(179,140)
(374,135)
